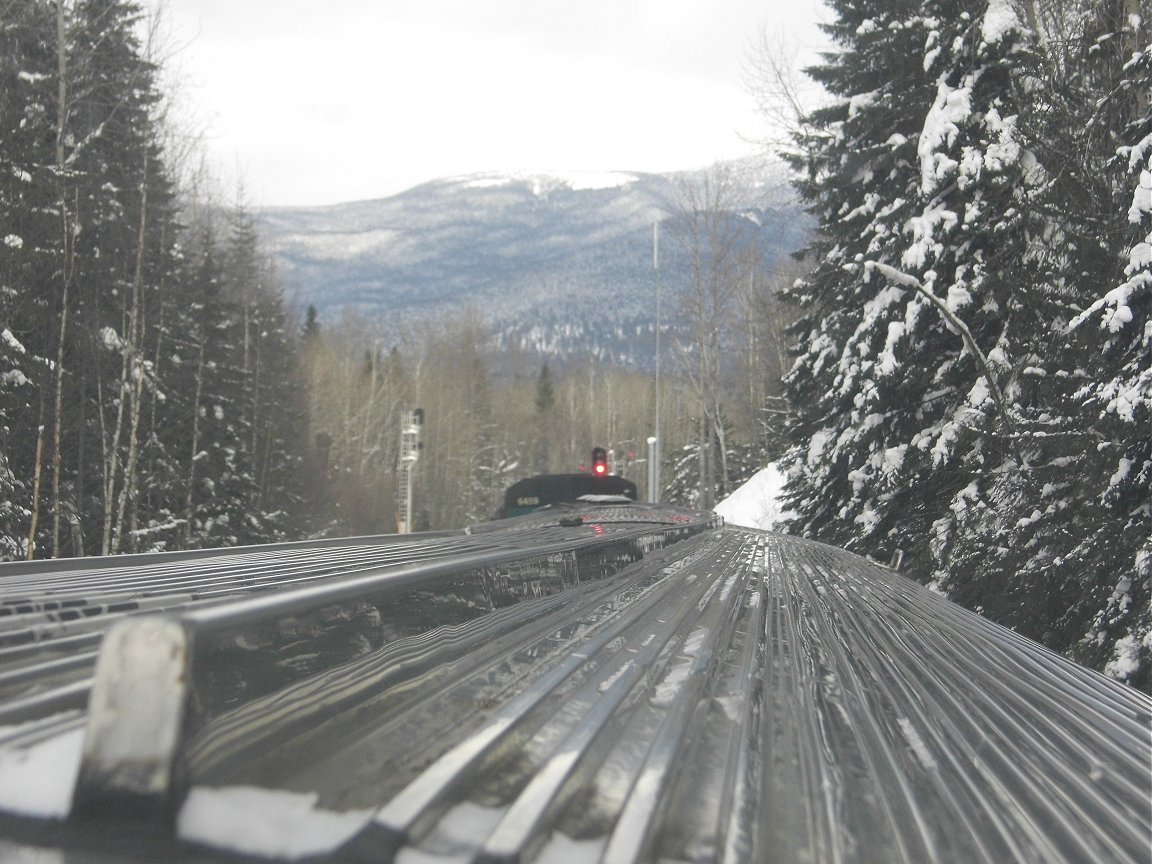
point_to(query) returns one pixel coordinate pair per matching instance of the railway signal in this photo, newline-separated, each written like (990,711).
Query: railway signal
(410,447)
(599,461)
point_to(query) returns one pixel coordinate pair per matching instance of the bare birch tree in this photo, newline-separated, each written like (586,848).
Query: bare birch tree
(716,241)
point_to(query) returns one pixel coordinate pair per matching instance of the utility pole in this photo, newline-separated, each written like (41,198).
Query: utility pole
(410,447)
(654,441)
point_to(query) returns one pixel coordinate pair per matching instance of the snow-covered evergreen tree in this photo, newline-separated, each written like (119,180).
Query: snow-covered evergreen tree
(119,264)
(222,493)
(102,321)
(952,398)
(27,62)
(1118,332)
(1058,545)
(913,179)
(1108,348)
(857,173)
(272,412)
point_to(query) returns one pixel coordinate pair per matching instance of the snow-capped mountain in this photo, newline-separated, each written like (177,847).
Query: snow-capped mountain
(561,262)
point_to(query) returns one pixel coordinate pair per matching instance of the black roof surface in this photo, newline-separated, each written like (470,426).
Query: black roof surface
(643,684)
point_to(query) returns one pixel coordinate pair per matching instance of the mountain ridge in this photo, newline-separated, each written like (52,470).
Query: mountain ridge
(559,262)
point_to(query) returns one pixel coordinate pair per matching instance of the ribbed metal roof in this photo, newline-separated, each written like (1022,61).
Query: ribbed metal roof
(635,684)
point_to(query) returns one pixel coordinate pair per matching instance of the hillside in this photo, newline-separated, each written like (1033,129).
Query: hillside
(560,262)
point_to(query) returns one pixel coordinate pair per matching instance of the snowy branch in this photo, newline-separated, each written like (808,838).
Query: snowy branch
(898,277)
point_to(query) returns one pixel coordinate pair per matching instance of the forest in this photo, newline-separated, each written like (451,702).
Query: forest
(968,333)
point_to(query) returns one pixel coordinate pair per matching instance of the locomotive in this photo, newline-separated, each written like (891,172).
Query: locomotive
(543,490)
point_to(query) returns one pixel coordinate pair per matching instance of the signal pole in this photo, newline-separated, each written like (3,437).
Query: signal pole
(654,441)
(409,454)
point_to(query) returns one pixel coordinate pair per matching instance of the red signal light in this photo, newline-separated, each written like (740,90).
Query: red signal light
(599,461)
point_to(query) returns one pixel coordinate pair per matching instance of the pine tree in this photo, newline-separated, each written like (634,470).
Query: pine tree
(207,428)
(124,256)
(544,425)
(275,413)
(1065,545)
(282,434)
(194,324)
(972,384)
(899,172)
(1107,353)
(740,462)
(545,392)
(1119,389)
(311,328)
(93,218)
(164,410)
(27,68)
(228,512)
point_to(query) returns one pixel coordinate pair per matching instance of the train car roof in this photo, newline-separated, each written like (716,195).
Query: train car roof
(642,683)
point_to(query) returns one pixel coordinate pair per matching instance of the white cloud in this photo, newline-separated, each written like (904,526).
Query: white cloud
(317,103)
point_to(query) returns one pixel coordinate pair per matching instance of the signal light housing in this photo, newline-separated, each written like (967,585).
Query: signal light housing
(599,461)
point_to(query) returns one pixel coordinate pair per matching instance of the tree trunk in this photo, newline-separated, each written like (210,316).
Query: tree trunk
(186,531)
(37,475)
(66,277)
(135,369)
(58,424)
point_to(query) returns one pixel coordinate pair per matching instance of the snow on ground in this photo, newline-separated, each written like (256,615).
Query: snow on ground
(38,780)
(544,181)
(562,849)
(756,504)
(265,822)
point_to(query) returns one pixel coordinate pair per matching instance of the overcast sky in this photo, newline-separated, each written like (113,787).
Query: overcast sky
(319,103)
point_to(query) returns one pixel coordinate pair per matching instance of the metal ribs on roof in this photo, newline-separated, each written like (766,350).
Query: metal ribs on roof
(647,686)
